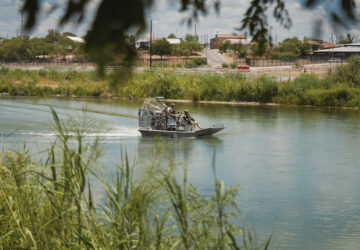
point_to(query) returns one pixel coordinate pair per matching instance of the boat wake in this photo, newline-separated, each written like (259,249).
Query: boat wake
(114,133)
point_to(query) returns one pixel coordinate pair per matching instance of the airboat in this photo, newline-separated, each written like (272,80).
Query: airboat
(154,121)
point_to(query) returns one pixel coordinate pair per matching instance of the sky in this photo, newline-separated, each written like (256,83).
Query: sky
(167,19)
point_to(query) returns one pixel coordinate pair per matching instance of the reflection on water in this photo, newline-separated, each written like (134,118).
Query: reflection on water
(298,169)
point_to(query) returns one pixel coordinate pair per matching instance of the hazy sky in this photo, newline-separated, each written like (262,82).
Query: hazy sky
(167,19)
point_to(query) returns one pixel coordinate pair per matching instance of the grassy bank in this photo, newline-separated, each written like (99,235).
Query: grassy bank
(50,204)
(340,89)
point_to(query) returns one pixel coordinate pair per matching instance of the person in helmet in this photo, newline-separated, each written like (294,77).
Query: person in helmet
(186,117)
(172,117)
(171,110)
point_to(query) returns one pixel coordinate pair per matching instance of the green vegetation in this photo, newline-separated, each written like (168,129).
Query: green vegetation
(53,44)
(349,73)
(340,88)
(240,49)
(50,204)
(233,65)
(225,65)
(290,48)
(161,47)
(196,62)
(185,48)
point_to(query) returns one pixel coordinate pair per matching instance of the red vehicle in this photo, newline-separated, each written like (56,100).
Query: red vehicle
(243,68)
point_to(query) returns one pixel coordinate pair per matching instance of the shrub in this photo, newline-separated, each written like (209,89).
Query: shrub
(348,73)
(233,65)
(4,70)
(225,65)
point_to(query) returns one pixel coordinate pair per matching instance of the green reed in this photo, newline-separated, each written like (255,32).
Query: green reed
(339,89)
(50,204)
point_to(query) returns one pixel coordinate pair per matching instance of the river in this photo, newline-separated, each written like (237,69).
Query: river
(298,168)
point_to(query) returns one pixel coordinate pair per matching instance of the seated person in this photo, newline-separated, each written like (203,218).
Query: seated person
(189,120)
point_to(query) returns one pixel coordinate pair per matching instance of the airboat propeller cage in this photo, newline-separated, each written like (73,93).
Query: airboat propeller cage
(152,113)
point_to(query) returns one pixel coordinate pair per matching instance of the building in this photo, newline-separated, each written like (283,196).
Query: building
(219,38)
(76,39)
(173,40)
(142,44)
(342,52)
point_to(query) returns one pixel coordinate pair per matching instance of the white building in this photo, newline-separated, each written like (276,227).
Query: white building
(173,40)
(345,50)
(76,39)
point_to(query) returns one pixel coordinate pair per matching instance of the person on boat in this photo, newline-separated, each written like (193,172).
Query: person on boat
(171,110)
(172,117)
(186,117)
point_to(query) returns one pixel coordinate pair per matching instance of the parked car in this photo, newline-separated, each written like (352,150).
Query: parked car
(243,68)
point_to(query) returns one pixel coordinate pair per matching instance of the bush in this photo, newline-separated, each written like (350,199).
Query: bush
(225,65)
(233,65)
(348,73)
(4,70)
(195,62)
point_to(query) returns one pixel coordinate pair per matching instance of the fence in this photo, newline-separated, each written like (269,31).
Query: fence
(171,61)
(46,63)
(285,62)
(156,62)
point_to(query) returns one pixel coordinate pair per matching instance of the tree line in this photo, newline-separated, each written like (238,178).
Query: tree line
(54,44)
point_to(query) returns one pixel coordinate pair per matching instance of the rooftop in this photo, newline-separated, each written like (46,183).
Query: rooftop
(173,40)
(350,49)
(76,39)
(230,36)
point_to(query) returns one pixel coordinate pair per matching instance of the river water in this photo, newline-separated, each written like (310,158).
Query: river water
(298,168)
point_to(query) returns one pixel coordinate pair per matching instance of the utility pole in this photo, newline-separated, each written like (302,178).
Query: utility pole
(195,32)
(22,24)
(150,42)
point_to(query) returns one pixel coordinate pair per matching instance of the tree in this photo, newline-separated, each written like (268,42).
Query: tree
(53,36)
(224,45)
(161,47)
(171,36)
(39,47)
(348,39)
(240,49)
(16,49)
(191,38)
(186,48)
(290,48)
(68,34)
(115,18)
(258,49)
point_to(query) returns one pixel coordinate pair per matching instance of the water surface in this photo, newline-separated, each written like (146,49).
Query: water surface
(298,169)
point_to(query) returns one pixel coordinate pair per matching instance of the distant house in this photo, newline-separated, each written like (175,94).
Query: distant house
(344,51)
(219,38)
(326,45)
(76,39)
(142,44)
(173,40)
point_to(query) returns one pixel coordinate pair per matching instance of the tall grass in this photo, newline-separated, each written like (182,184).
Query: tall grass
(340,88)
(50,205)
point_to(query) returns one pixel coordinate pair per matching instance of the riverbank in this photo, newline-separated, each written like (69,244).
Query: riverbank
(232,88)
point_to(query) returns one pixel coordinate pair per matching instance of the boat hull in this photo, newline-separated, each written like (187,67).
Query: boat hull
(181,134)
